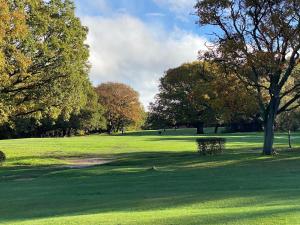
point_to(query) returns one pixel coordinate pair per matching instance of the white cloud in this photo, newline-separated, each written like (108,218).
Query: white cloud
(182,8)
(155,14)
(125,49)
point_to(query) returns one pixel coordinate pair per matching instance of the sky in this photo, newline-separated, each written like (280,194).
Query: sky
(136,41)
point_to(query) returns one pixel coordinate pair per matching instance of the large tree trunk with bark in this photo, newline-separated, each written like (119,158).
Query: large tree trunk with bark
(268,137)
(269,122)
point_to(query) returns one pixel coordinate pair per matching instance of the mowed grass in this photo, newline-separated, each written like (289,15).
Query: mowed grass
(240,186)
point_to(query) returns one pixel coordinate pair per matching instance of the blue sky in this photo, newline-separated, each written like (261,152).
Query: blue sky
(135,41)
(177,14)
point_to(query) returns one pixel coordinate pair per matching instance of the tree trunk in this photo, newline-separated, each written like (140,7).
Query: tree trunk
(216,128)
(200,128)
(269,122)
(289,136)
(268,137)
(109,129)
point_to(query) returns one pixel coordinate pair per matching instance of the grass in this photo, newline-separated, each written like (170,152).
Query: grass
(240,186)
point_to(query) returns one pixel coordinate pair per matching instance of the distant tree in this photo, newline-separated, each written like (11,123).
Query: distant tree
(183,97)
(234,104)
(197,93)
(158,116)
(91,116)
(89,119)
(258,42)
(121,104)
(288,121)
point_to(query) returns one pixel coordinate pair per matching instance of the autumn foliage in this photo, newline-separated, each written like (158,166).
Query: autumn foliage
(198,94)
(259,43)
(122,105)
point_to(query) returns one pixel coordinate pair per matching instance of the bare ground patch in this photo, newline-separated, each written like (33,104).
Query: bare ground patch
(80,162)
(71,162)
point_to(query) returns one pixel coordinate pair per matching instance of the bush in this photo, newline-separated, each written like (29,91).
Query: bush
(2,157)
(210,146)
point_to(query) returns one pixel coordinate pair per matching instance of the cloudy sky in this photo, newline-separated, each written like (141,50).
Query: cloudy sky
(135,41)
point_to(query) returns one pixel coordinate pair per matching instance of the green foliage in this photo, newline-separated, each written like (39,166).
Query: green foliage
(258,42)
(288,121)
(183,97)
(199,93)
(43,67)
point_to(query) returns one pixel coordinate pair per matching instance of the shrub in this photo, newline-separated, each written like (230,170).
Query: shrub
(2,157)
(210,146)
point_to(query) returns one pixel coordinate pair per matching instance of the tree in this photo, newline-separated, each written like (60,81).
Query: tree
(43,60)
(13,62)
(229,103)
(197,93)
(121,104)
(288,121)
(183,97)
(258,42)
(88,120)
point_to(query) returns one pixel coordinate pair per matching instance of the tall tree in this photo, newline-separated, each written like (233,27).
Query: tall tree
(44,59)
(259,42)
(184,95)
(122,105)
(198,93)
(13,61)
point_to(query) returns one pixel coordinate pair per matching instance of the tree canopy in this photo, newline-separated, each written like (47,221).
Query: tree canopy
(43,62)
(198,93)
(258,42)
(121,104)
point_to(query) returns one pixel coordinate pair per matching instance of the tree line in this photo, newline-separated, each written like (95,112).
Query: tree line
(198,94)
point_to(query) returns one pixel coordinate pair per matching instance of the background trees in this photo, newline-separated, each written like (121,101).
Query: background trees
(183,97)
(122,106)
(258,41)
(234,104)
(199,93)
(288,121)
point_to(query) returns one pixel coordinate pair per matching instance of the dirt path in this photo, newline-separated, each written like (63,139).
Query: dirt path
(77,163)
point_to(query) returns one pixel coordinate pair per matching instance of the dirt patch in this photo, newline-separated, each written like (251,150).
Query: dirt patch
(76,163)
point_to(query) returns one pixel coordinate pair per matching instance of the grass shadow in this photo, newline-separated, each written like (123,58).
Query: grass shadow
(181,179)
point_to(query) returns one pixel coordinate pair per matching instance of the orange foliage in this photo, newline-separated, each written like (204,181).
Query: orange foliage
(122,106)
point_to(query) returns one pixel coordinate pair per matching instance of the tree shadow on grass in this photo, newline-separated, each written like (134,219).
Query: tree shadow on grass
(131,184)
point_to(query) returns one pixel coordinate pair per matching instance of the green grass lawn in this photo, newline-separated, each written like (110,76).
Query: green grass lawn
(238,187)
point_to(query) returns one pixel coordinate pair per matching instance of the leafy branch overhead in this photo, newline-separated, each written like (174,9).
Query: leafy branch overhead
(258,41)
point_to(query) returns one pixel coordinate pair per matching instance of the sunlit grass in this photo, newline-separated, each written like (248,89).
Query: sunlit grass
(240,186)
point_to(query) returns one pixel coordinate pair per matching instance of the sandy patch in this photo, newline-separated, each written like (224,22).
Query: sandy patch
(76,163)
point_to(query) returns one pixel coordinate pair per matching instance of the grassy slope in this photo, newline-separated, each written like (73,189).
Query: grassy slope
(238,187)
